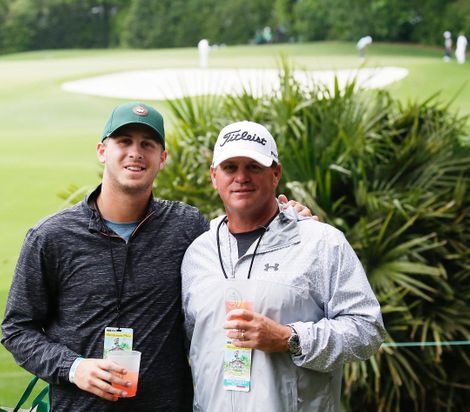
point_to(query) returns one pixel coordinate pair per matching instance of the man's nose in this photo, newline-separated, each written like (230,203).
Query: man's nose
(242,176)
(135,152)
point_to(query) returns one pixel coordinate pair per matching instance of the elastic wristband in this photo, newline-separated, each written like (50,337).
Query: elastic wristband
(73,369)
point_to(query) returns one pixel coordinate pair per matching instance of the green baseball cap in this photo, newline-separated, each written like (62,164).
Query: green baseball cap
(135,112)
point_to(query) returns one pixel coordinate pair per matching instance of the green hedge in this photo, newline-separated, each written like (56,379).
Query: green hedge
(55,24)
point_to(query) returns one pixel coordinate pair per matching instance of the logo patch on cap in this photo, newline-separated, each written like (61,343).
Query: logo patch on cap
(245,139)
(140,110)
(235,135)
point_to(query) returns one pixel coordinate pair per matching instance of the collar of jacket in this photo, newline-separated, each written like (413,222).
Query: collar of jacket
(282,232)
(95,223)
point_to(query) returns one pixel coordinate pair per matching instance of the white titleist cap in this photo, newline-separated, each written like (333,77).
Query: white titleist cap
(245,139)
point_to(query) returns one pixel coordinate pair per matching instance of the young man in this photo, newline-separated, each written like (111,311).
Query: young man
(108,268)
(298,301)
(111,261)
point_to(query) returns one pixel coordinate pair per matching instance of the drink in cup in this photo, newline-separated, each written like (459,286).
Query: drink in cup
(238,304)
(235,300)
(129,360)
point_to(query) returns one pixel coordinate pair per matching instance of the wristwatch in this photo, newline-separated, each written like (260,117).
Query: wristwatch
(293,342)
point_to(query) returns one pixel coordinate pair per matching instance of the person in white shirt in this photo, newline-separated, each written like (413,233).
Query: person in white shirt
(299,303)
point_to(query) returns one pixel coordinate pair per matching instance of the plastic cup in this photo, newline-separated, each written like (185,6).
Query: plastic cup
(238,304)
(129,360)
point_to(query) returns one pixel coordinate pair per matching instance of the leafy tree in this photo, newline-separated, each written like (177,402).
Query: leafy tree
(389,20)
(71,24)
(457,18)
(183,23)
(40,24)
(152,24)
(284,10)
(18,29)
(32,25)
(239,20)
(312,20)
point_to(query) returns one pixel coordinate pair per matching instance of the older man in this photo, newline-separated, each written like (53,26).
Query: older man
(299,303)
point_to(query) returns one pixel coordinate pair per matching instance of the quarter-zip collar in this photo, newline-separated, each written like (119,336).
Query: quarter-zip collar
(96,224)
(282,232)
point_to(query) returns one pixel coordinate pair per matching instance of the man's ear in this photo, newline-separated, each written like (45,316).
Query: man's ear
(213,178)
(277,174)
(163,159)
(101,152)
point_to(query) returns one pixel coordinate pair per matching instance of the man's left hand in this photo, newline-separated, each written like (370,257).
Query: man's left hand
(249,329)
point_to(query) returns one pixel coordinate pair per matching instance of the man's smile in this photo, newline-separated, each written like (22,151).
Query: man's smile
(243,190)
(135,168)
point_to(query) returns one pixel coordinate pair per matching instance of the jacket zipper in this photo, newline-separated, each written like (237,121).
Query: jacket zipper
(135,230)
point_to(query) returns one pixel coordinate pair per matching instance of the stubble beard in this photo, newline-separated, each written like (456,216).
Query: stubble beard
(133,187)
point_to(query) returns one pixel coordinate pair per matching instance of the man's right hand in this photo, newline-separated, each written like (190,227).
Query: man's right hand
(96,375)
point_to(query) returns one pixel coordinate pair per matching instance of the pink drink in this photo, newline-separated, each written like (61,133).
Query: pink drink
(129,360)
(238,304)
(133,378)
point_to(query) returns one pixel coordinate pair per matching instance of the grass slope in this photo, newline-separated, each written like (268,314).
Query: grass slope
(48,136)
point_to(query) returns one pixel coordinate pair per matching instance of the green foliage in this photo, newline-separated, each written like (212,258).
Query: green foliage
(171,23)
(284,11)
(51,24)
(186,176)
(18,29)
(457,17)
(386,20)
(395,179)
(148,23)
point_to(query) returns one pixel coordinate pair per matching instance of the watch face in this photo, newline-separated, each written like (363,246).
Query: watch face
(294,343)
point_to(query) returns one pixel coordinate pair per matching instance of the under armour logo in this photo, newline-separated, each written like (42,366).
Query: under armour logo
(267,266)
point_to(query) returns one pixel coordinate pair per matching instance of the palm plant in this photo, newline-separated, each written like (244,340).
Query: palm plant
(394,178)
(186,176)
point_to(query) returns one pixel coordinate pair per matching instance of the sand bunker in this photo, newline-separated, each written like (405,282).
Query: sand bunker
(176,83)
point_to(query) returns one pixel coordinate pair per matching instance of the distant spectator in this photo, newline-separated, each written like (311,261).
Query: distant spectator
(263,36)
(259,39)
(447,46)
(280,34)
(362,44)
(460,49)
(267,35)
(203,48)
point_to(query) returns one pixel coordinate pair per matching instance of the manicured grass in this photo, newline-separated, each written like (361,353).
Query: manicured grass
(48,136)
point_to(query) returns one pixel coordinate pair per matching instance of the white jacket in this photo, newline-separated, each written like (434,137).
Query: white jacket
(304,273)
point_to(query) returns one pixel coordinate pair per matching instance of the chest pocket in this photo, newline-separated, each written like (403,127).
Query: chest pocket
(289,266)
(287,297)
(271,273)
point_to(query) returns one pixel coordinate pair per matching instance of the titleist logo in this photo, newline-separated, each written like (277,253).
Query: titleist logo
(236,135)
